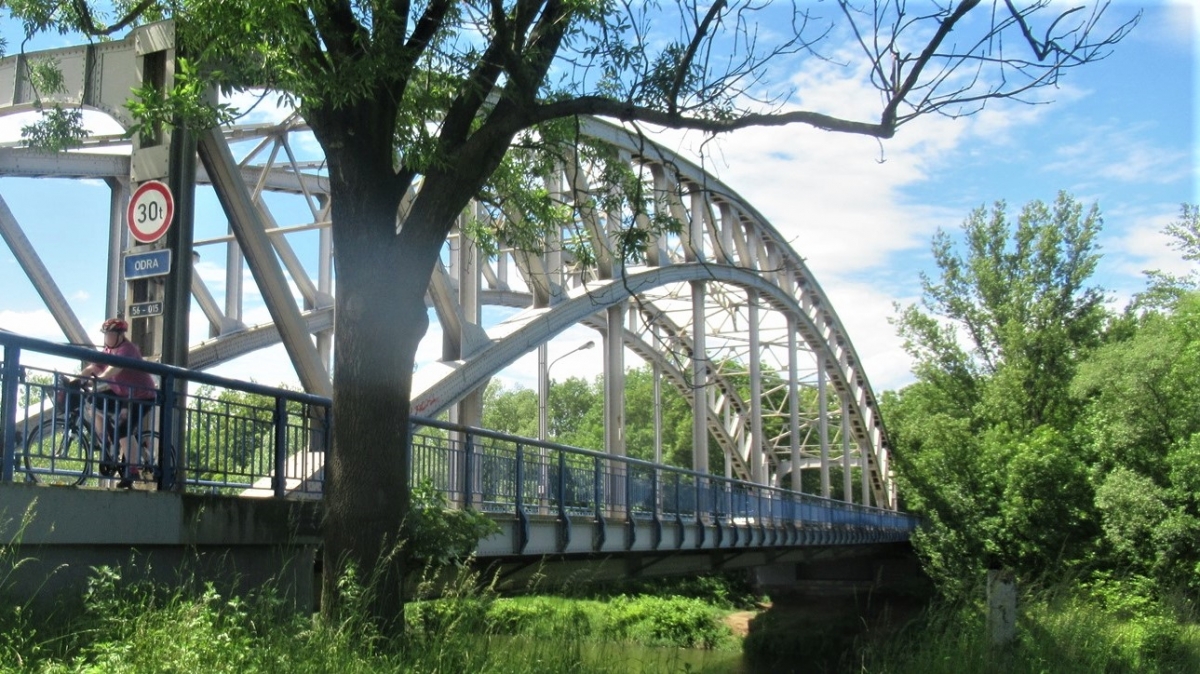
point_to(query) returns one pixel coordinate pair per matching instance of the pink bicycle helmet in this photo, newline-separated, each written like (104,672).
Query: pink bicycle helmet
(114,325)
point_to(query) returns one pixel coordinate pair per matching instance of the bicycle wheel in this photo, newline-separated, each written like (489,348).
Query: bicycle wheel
(55,454)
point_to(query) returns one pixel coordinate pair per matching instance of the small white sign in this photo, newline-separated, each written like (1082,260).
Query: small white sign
(151,210)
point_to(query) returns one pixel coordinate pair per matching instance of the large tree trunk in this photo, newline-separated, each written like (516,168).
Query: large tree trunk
(382,277)
(380,318)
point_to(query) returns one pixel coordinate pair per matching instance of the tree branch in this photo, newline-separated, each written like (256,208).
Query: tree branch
(690,54)
(898,95)
(343,36)
(89,27)
(625,112)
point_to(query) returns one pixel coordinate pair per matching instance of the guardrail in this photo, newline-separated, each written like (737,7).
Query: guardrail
(212,433)
(225,436)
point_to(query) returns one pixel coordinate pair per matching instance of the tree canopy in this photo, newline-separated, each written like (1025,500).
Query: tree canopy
(1074,453)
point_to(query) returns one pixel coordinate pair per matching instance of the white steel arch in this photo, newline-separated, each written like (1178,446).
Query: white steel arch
(726,300)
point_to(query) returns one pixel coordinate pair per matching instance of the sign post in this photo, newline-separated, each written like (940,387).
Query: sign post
(151,209)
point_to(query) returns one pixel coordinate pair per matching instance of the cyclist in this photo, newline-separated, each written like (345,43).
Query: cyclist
(122,393)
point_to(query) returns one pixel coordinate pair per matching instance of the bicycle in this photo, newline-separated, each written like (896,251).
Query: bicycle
(63,448)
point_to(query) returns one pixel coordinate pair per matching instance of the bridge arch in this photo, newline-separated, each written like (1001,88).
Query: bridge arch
(695,296)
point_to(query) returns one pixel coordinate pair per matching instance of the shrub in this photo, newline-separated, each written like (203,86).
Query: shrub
(669,621)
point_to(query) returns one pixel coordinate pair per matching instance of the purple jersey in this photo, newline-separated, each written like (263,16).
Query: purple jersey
(127,379)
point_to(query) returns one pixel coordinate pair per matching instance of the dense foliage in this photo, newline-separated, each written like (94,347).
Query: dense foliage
(1045,432)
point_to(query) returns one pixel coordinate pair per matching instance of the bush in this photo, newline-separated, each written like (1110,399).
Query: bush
(440,535)
(669,621)
(540,617)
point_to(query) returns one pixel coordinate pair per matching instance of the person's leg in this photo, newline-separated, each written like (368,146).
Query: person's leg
(135,426)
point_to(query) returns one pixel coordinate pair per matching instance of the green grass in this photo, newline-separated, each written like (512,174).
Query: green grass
(1060,634)
(138,627)
(118,626)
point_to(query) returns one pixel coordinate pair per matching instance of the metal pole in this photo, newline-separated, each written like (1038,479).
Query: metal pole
(543,393)
(757,464)
(847,483)
(545,383)
(114,296)
(699,381)
(794,404)
(823,425)
(181,179)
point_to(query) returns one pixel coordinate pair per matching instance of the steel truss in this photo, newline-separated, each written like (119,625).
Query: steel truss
(726,300)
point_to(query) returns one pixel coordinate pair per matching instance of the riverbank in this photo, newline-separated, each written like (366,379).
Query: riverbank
(125,627)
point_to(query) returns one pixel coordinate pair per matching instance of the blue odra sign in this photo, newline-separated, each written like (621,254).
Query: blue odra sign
(144,265)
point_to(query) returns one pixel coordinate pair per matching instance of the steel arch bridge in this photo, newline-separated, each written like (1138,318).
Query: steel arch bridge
(723,302)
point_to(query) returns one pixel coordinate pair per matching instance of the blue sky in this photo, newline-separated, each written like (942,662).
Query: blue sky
(1121,133)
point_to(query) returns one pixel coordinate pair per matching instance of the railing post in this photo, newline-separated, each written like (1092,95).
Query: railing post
(167,446)
(678,516)
(656,513)
(718,496)
(522,518)
(630,526)
(564,521)
(468,490)
(8,416)
(598,498)
(731,512)
(279,483)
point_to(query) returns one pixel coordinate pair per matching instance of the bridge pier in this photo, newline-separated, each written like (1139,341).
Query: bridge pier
(51,538)
(844,571)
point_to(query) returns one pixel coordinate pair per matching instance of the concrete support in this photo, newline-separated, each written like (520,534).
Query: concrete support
(614,381)
(239,544)
(1002,607)
(470,408)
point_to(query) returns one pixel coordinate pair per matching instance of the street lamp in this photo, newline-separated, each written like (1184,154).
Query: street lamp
(544,390)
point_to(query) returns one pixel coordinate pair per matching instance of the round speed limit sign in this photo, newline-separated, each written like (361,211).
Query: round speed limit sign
(150,211)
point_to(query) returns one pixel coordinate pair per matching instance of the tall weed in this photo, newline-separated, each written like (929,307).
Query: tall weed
(1077,630)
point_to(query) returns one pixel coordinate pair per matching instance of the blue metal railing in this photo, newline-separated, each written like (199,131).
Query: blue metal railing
(225,436)
(211,433)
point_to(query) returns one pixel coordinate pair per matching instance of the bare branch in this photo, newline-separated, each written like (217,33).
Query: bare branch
(88,25)
(685,63)
(604,107)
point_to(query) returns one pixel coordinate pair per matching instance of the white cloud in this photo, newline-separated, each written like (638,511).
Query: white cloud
(38,323)
(258,107)
(1111,153)
(1143,246)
